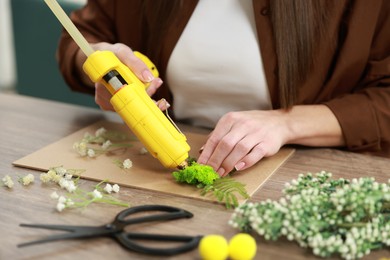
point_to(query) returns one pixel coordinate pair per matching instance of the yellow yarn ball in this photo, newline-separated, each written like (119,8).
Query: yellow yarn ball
(242,247)
(213,247)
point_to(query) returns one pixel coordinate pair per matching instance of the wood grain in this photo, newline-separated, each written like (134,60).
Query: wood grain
(28,124)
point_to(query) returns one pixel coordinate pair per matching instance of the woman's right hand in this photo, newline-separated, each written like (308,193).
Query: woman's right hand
(136,65)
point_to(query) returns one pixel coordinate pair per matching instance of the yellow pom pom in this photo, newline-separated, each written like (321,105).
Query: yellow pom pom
(213,247)
(242,247)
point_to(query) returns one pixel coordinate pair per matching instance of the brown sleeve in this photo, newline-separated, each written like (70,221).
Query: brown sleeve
(98,22)
(364,115)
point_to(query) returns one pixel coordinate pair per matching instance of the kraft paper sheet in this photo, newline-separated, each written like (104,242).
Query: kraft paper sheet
(146,172)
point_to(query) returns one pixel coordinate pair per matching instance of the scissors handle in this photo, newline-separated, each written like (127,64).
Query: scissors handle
(190,242)
(158,213)
(169,213)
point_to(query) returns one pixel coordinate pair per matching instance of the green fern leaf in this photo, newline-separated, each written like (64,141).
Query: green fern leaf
(225,190)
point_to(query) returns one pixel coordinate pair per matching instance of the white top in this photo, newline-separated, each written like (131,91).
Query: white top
(216,65)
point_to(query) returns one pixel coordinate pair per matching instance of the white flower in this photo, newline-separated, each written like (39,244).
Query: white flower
(108,188)
(60,206)
(8,181)
(91,153)
(71,187)
(26,180)
(64,183)
(52,174)
(106,145)
(100,131)
(45,177)
(143,151)
(127,164)
(60,171)
(56,178)
(61,199)
(54,195)
(81,148)
(68,176)
(97,194)
(115,188)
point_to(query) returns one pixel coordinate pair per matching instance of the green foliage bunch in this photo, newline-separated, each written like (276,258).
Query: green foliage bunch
(205,178)
(196,174)
(333,217)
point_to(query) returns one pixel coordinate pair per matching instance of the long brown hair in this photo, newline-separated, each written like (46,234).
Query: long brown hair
(298,25)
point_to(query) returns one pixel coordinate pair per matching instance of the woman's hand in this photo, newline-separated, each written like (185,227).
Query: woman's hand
(136,65)
(241,139)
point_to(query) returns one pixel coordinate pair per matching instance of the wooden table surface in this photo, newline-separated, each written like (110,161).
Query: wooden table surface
(28,124)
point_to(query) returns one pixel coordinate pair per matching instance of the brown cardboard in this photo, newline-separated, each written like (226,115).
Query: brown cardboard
(146,172)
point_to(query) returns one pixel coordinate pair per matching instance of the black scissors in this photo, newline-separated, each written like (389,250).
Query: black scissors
(116,230)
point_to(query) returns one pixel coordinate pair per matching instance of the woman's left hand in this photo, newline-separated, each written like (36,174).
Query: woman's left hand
(240,139)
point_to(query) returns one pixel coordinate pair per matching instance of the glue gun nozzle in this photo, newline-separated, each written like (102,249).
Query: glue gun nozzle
(183,165)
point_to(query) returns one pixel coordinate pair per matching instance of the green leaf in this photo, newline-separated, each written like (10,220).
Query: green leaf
(204,177)
(225,190)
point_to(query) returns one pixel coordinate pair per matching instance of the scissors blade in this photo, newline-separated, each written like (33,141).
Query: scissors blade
(75,232)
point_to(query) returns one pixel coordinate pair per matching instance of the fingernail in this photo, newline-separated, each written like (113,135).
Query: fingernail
(221,171)
(201,149)
(163,104)
(167,105)
(147,76)
(239,166)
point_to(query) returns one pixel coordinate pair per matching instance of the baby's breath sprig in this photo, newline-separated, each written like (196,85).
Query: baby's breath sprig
(125,164)
(7,182)
(77,197)
(349,218)
(63,177)
(81,198)
(102,142)
(27,180)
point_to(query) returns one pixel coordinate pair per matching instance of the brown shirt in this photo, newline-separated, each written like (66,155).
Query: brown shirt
(353,79)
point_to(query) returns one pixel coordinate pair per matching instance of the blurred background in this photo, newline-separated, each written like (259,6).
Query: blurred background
(29,38)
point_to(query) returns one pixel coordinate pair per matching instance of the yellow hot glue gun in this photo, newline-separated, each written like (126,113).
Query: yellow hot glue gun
(129,98)
(137,109)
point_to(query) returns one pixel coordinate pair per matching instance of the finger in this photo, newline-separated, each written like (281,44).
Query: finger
(136,65)
(240,150)
(222,128)
(207,148)
(256,154)
(102,97)
(154,85)
(163,104)
(222,151)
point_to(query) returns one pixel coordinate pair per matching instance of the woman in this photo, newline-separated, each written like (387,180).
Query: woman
(261,73)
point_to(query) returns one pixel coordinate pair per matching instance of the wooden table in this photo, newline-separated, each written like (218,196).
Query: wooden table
(28,124)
